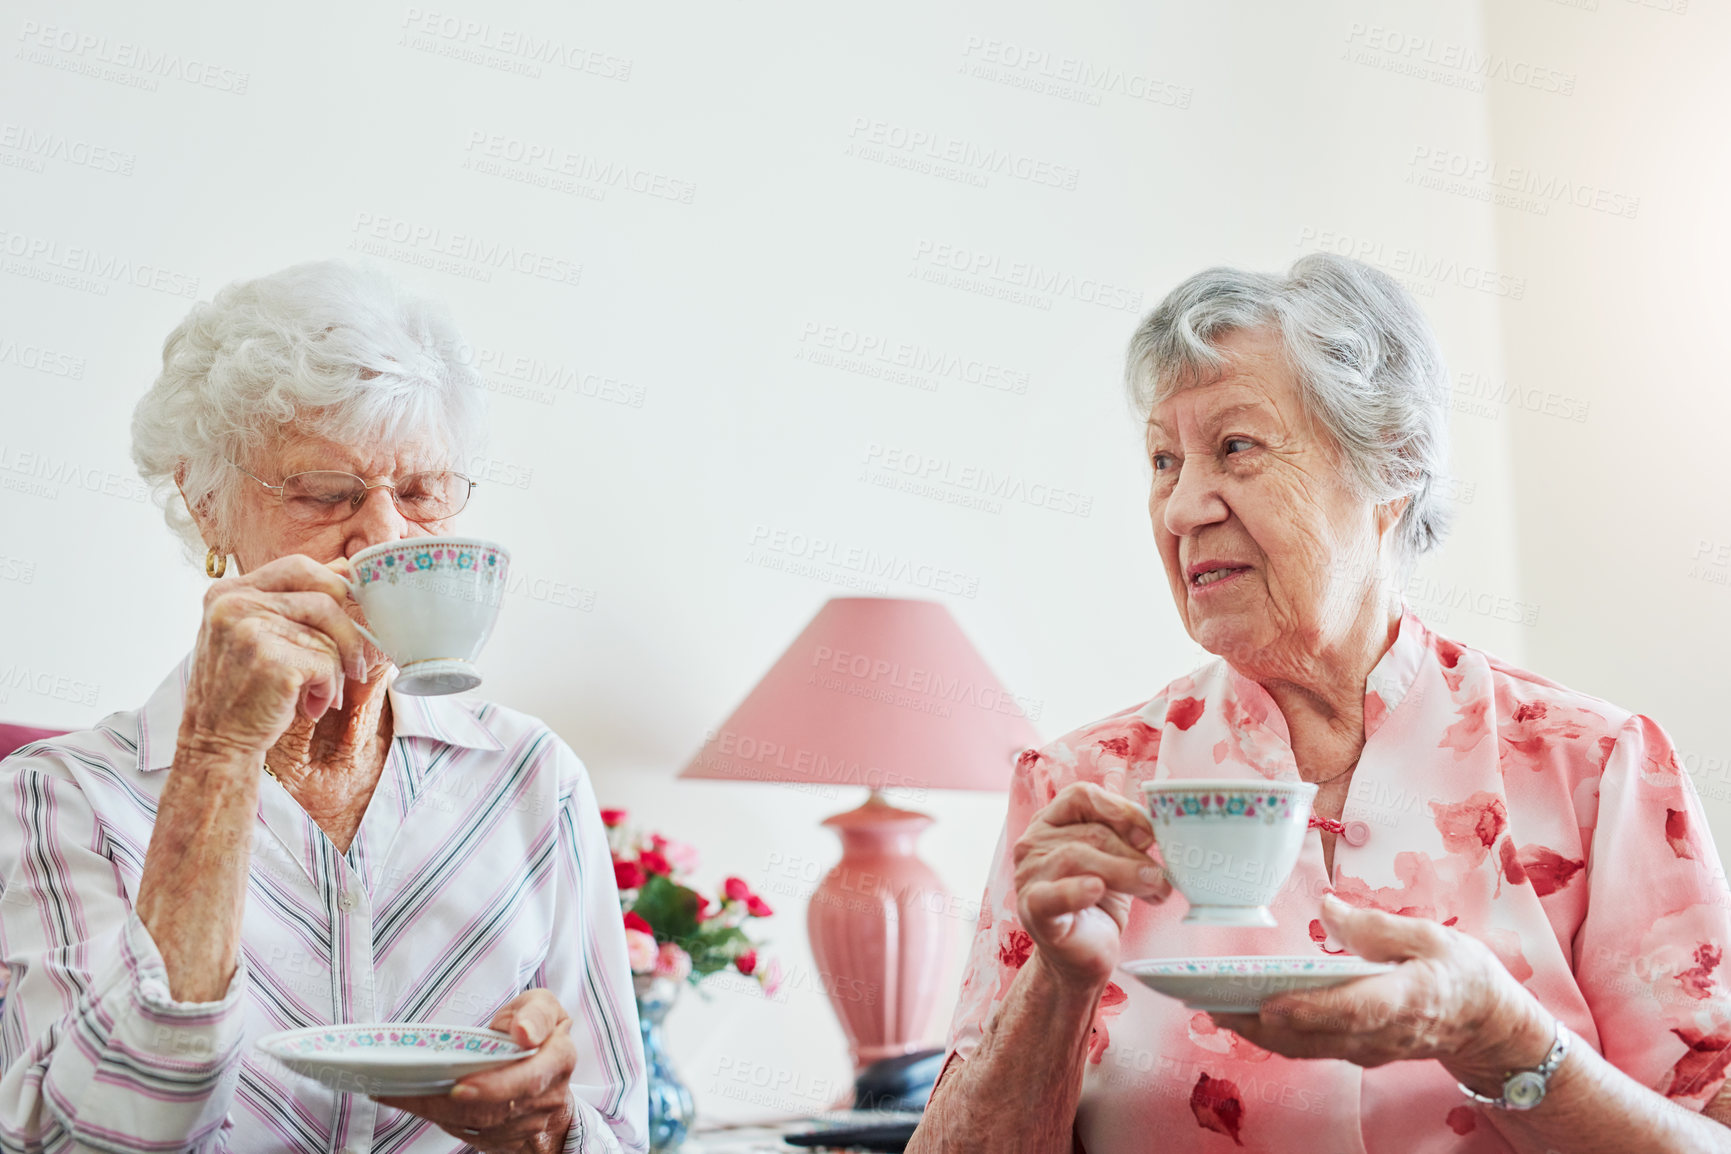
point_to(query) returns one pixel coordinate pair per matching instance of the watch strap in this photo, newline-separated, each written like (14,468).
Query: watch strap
(1524,1089)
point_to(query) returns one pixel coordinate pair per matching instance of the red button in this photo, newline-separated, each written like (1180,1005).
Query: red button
(1356,833)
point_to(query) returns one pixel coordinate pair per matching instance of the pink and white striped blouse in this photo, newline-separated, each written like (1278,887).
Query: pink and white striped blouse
(480,870)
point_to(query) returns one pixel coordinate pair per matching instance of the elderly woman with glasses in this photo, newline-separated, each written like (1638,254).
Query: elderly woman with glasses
(1532,860)
(277,838)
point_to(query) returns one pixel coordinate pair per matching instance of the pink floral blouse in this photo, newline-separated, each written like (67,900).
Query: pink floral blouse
(1554,827)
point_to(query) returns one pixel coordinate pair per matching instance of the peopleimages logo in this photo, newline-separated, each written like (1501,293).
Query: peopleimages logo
(1420,271)
(739,752)
(1482,395)
(541,379)
(473,39)
(1021,281)
(86,52)
(1428,58)
(873,139)
(538,158)
(462,254)
(39,145)
(1069,77)
(857,566)
(88,269)
(880,672)
(862,351)
(883,462)
(57,686)
(51,471)
(1492,176)
(26,355)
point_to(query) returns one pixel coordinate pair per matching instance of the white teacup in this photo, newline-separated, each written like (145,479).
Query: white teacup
(430,604)
(1229,845)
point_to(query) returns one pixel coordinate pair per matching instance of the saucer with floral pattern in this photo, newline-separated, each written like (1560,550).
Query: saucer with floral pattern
(1238,985)
(391,1058)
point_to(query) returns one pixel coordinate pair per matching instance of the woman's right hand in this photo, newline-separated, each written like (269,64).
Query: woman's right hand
(1078,864)
(273,641)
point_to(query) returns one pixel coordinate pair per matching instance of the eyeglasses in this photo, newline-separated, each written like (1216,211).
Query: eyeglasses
(321,496)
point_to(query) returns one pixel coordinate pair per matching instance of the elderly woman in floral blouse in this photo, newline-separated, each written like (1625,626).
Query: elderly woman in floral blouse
(1531,857)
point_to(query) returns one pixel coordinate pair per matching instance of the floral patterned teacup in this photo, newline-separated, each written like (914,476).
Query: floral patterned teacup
(1229,845)
(430,604)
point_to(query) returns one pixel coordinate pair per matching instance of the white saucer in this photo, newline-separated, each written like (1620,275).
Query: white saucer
(391,1058)
(1238,985)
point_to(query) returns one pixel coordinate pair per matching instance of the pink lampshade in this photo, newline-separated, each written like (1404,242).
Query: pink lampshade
(877,692)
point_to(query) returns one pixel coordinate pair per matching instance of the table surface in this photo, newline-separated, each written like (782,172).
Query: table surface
(763,1137)
(738,1140)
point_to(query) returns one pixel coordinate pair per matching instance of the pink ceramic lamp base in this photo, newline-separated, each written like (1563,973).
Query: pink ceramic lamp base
(879,933)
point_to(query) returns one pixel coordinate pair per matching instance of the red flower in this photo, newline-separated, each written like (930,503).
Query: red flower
(757,907)
(612,817)
(657,842)
(746,962)
(702,907)
(635,921)
(1217,1106)
(1015,948)
(736,890)
(627,875)
(654,861)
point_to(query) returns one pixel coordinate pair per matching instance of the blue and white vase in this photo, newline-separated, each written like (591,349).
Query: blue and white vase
(671,1111)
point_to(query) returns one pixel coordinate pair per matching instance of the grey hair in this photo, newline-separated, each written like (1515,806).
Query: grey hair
(1369,367)
(333,349)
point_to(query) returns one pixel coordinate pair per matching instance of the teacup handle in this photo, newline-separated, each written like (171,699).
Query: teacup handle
(354,585)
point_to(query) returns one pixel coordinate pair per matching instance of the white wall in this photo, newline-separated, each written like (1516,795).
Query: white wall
(1625,527)
(1271,132)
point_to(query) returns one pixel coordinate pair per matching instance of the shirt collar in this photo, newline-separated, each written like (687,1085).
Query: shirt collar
(442,719)
(1393,677)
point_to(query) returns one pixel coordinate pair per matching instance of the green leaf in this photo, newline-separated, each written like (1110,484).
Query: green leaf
(712,951)
(668,907)
(671,911)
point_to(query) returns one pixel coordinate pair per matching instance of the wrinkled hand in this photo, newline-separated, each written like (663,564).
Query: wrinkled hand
(1449,998)
(522,1107)
(1078,864)
(273,643)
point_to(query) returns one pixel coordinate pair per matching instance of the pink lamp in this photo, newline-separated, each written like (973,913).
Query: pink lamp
(879,692)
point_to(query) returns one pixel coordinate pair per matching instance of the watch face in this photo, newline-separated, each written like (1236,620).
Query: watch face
(1523,1091)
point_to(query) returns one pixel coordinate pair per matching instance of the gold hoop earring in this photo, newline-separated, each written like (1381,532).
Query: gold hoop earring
(215,564)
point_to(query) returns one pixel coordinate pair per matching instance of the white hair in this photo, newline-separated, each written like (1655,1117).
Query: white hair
(1369,368)
(326,348)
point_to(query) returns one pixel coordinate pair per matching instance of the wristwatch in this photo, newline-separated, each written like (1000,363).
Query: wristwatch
(1525,1089)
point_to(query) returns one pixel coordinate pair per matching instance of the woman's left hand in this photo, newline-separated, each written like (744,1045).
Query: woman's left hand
(522,1107)
(1448,999)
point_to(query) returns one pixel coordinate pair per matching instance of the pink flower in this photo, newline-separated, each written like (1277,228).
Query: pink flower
(736,889)
(703,905)
(640,948)
(746,962)
(770,977)
(672,962)
(682,854)
(612,817)
(757,907)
